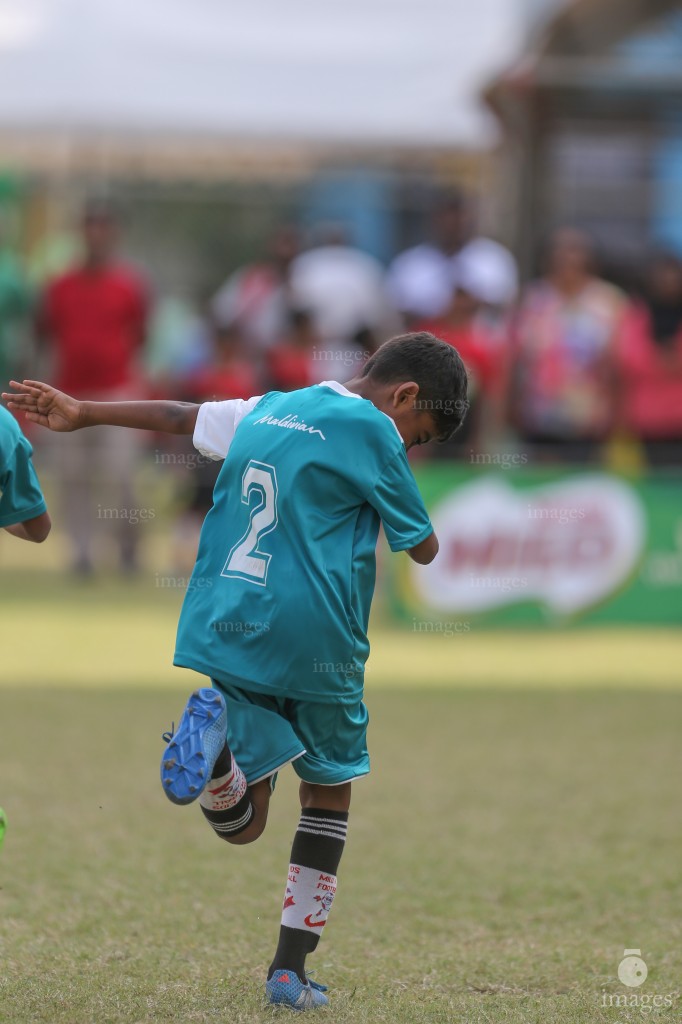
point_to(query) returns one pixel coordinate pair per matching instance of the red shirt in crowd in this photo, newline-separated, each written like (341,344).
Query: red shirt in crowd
(289,368)
(95,321)
(652,379)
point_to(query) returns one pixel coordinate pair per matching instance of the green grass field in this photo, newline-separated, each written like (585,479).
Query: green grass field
(520,828)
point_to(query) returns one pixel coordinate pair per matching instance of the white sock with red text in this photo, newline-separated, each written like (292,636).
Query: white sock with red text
(226,802)
(309,897)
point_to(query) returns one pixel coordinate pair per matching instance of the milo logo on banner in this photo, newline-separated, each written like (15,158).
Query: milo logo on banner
(566,545)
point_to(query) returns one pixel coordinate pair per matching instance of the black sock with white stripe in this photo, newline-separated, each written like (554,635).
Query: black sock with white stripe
(311,886)
(226,802)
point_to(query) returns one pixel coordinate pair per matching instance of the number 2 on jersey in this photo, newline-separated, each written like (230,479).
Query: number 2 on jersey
(245,560)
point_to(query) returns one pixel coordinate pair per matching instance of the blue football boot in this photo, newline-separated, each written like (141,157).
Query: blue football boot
(285,988)
(192,751)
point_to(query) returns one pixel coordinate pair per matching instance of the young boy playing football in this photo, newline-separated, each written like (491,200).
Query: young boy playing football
(277,608)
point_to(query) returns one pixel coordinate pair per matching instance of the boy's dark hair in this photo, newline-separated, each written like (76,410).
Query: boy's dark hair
(432,364)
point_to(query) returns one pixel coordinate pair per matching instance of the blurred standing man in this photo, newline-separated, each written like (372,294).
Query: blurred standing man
(94,320)
(420,279)
(343,291)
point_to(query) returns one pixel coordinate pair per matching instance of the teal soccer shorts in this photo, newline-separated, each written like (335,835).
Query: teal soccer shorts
(327,743)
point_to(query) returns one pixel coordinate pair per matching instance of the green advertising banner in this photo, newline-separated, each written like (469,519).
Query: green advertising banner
(545,546)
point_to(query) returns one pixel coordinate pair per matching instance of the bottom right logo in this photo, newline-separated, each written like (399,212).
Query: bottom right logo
(633,972)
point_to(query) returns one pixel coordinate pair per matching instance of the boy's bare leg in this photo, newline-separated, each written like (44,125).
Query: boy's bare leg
(311,881)
(333,798)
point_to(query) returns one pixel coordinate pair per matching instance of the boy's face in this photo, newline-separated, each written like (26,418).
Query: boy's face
(401,402)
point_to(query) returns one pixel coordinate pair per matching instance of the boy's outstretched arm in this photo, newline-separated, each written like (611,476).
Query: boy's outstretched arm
(53,409)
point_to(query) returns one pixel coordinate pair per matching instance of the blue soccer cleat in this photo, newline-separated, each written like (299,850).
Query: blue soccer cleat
(285,988)
(192,751)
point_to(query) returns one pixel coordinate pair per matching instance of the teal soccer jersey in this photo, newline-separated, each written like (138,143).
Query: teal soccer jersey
(20,494)
(280,595)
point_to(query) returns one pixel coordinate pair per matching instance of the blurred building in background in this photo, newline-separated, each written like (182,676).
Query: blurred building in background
(592,116)
(236,118)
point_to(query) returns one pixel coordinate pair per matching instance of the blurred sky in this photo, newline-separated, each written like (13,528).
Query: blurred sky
(405,71)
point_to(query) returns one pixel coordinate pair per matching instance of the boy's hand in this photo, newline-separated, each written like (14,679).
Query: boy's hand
(44,405)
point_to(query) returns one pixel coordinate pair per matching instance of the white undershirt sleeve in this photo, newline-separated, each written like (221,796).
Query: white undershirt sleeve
(216,425)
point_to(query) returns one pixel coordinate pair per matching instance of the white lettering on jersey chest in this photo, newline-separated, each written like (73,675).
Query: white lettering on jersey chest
(290,422)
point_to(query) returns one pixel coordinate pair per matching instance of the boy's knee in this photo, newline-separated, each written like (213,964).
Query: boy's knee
(329,798)
(249,835)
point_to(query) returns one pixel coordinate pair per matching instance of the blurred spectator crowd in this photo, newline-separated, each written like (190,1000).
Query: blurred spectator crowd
(564,367)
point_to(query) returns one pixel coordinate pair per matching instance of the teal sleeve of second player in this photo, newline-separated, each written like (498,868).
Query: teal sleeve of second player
(396,498)
(20,495)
